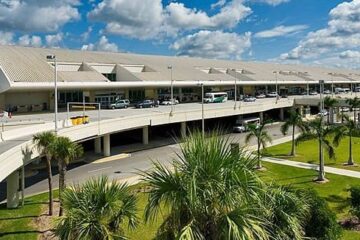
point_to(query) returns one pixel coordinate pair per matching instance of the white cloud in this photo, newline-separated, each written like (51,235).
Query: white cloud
(6,38)
(37,15)
(134,18)
(33,41)
(280,31)
(181,17)
(219,3)
(54,40)
(85,36)
(145,19)
(213,44)
(342,32)
(350,54)
(271,2)
(102,45)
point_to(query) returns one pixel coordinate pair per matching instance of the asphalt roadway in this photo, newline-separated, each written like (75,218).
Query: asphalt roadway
(119,169)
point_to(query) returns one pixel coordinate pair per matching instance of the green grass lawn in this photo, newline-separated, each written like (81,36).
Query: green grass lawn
(308,152)
(16,224)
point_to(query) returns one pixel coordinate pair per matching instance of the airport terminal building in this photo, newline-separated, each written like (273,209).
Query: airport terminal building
(27,77)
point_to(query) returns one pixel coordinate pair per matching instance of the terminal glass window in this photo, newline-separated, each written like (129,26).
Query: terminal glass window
(110,76)
(69,96)
(136,95)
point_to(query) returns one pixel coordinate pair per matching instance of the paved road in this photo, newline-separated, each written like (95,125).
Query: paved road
(119,169)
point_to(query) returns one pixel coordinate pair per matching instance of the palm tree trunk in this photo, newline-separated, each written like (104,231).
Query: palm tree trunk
(258,155)
(350,161)
(354,116)
(331,114)
(62,172)
(293,141)
(49,172)
(321,163)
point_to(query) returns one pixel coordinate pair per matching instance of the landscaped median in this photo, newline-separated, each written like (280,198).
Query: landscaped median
(308,152)
(21,223)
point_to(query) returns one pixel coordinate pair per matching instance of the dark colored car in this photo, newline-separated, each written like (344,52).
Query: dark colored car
(146,104)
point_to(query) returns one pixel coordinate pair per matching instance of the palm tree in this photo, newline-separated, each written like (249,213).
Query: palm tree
(354,104)
(97,210)
(42,142)
(294,120)
(347,129)
(316,129)
(262,138)
(64,151)
(211,192)
(330,103)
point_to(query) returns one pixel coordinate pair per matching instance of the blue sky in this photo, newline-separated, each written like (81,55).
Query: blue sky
(316,32)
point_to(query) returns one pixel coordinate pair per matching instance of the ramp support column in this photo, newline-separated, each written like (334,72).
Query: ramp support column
(12,190)
(97,145)
(183,129)
(145,135)
(281,116)
(107,152)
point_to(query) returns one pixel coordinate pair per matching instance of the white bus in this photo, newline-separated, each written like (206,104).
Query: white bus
(215,97)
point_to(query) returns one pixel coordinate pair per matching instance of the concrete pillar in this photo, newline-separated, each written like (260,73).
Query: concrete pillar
(183,129)
(301,111)
(145,135)
(337,112)
(281,116)
(12,190)
(97,145)
(261,116)
(107,152)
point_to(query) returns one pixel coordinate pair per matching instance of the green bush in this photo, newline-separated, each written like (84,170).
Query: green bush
(321,222)
(355,201)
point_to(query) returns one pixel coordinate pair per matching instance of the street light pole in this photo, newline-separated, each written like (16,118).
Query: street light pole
(235,91)
(171,90)
(332,84)
(276,86)
(202,111)
(53,57)
(321,83)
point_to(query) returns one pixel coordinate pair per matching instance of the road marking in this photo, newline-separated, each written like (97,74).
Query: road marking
(112,158)
(98,169)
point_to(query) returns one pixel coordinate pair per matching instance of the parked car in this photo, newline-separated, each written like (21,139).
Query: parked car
(124,103)
(249,99)
(260,95)
(323,113)
(272,95)
(168,102)
(313,93)
(344,109)
(284,96)
(327,92)
(146,104)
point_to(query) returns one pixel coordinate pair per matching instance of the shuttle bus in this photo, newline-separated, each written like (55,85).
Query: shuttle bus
(215,97)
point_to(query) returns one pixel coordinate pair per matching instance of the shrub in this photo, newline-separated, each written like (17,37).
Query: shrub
(321,222)
(355,201)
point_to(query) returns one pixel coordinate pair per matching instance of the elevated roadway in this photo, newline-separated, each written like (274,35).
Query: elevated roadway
(112,121)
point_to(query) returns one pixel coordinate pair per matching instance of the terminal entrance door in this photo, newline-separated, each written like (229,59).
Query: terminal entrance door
(69,96)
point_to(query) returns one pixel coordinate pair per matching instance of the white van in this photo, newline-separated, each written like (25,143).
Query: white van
(241,124)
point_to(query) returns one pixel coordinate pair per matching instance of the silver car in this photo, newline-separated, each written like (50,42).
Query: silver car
(124,103)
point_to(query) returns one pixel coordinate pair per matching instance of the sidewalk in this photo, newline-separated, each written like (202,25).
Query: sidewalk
(337,171)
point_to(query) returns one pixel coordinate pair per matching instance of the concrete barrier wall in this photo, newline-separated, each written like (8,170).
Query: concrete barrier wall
(11,159)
